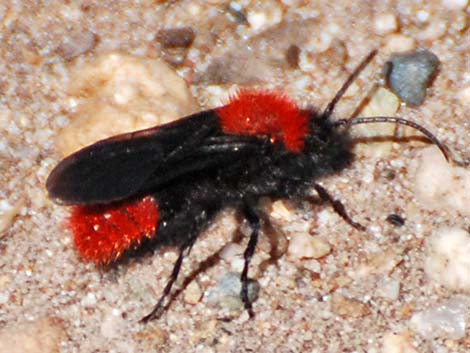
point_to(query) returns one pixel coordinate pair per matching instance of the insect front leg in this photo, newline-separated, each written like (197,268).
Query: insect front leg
(337,206)
(251,215)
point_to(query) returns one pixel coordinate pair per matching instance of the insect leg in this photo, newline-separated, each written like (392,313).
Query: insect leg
(253,219)
(337,206)
(160,307)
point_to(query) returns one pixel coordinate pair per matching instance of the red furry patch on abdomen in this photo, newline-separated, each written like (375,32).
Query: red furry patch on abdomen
(265,113)
(101,233)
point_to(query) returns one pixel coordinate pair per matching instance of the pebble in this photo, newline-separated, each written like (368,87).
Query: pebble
(280,210)
(77,44)
(181,37)
(193,293)
(455,4)
(396,220)
(226,294)
(348,307)
(385,24)
(232,253)
(400,342)
(293,56)
(256,20)
(460,23)
(154,334)
(447,261)
(267,13)
(89,300)
(435,30)
(399,43)
(443,320)
(422,15)
(8,213)
(112,324)
(382,103)
(463,95)
(305,246)
(441,185)
(40,336)
(379,263)
(123,93)
(5,280)
(389,288)
(236,13)
(410,74)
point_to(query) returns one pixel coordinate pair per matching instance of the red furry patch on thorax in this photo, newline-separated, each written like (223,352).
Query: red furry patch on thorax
(101,233)
(265,113)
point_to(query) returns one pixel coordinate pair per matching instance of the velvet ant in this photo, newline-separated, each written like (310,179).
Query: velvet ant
(163,185)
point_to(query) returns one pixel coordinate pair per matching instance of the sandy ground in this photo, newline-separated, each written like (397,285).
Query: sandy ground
(359,297)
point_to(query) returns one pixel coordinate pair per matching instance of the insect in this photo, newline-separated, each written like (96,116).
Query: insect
(165,184)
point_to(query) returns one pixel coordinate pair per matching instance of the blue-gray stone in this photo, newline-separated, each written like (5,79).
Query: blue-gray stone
(409,75)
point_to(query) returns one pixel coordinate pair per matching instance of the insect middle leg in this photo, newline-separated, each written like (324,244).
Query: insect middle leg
(253,219)
(337,206)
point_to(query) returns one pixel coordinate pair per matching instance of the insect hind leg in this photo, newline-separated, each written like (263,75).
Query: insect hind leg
(337,206)
(253,219)
(160,307)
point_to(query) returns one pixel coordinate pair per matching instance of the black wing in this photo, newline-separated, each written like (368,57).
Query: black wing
(124,165)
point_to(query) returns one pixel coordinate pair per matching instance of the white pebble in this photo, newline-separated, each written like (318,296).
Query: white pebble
(119,91)
(324,217)
(385,23)
(443,320)
(231,251)
(4,298)
(38,336)
(440,185)
(256,20)
(422,15)
(305,246)
(383,103)
(8,213)
(455,4)
(111,324)
(226,294)
(193,293)
(5,206)
(435,30)
(389,288)
(397,343)
(279,210)
(464,96)
(89,300)
(398,43)
(447,260)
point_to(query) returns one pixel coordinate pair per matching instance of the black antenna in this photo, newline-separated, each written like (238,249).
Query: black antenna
(400,121)
(331,106)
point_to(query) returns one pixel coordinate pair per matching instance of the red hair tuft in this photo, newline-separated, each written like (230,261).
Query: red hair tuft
(102,233)
(265,113)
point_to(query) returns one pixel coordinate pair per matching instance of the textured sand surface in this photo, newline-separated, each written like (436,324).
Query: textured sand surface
(343,291)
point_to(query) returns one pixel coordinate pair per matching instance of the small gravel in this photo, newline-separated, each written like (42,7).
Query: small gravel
(439,184)
(385,24)
(305,246)
(226,294)
(447,319)
(52,77)
(455,4)
(410,74)
(447,261)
